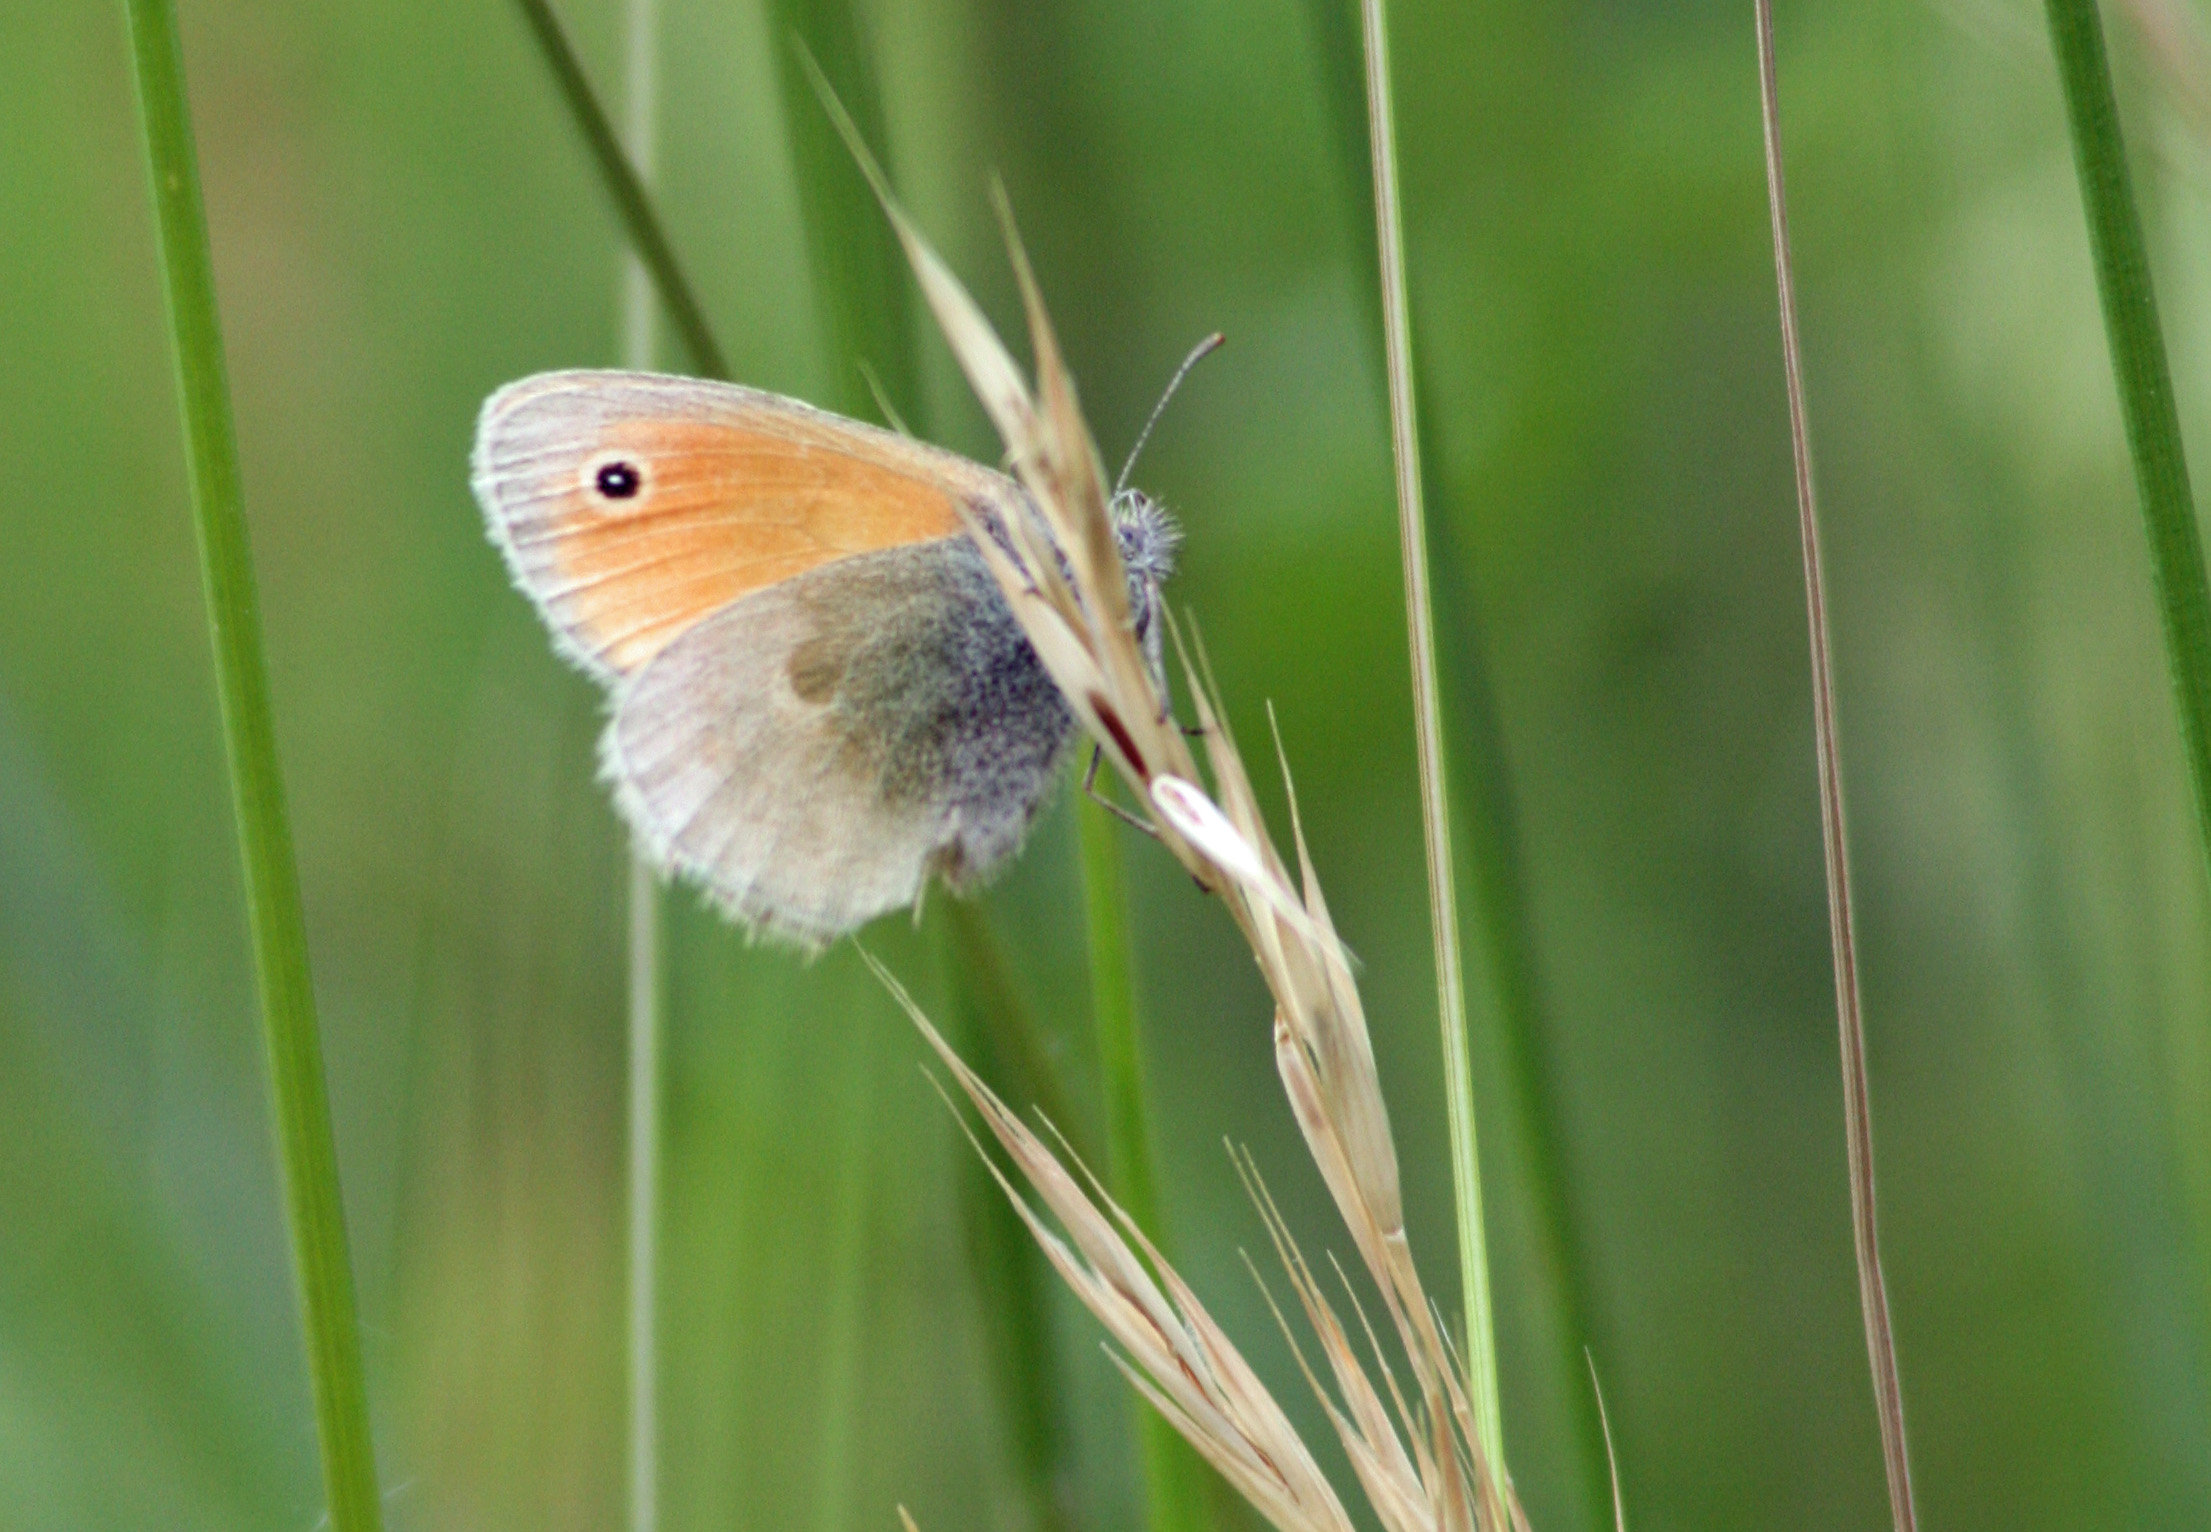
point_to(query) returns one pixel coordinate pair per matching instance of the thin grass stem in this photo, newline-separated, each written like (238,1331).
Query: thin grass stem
(637,299)
(627,188)
(843,1295)
(1506,978)
(298,1093)
(644,1195)
(1173,1476)
(1435,802)
(1873,1300)
(1612,1458)
(2144,379)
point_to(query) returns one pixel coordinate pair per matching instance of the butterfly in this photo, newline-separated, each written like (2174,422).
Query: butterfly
(819,698)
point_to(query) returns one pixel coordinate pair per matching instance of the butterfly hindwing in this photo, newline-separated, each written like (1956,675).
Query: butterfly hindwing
(813,751)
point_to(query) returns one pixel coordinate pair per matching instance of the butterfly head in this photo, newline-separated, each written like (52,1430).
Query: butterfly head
(1148,538)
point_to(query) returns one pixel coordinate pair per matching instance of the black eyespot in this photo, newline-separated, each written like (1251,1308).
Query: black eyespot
(619,481)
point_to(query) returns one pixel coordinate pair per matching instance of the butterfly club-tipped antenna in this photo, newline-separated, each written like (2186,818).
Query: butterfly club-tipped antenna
(1198,353)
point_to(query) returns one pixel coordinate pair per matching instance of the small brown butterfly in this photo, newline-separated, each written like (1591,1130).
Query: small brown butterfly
(819,695)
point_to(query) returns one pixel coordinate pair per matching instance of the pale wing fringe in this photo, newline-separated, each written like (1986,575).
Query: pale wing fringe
(1061,572)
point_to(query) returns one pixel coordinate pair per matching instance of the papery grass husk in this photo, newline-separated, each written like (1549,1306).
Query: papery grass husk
(1058,564)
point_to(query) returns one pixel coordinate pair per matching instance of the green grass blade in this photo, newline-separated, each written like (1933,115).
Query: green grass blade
(995,1032)
(1113,1008)
(1174,1476)
(627,189)
(1506,974)
(862,293)
(1466,1174)
(2144,378)
(299,1103)
(1015,1055)
(843,1291)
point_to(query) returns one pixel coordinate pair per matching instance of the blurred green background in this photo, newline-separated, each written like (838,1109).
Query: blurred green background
(403,220)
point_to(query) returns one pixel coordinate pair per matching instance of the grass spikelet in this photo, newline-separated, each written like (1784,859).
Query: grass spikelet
(1172,1350)
(1421,1468)
(1060,571)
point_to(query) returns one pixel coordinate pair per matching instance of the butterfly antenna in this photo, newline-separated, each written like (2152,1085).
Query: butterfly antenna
(1198,353)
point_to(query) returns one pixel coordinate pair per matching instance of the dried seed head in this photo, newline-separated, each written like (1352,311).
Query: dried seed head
(1076,577)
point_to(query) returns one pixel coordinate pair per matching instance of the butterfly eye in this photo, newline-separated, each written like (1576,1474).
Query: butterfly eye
(618,480)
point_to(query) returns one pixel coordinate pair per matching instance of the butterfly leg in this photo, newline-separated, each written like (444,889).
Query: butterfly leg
(1090,791)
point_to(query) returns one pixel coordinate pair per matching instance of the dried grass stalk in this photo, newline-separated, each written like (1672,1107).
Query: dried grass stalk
(1061,572)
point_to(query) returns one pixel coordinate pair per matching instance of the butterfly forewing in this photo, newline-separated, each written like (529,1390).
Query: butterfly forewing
(631,506)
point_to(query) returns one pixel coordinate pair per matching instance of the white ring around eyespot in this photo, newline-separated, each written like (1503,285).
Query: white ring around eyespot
(599,497)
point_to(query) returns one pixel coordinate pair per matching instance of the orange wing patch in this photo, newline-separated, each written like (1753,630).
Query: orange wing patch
(629,522)
(717,512)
